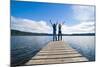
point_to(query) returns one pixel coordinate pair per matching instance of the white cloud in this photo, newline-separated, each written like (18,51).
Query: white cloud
(83,27)
(29,25)
(84,13)
(43,27)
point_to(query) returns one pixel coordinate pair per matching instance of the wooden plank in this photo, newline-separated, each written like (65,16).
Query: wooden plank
(55,56)
(56,61)
(56,52)
(60,53)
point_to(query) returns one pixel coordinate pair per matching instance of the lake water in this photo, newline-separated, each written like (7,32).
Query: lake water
(24,47)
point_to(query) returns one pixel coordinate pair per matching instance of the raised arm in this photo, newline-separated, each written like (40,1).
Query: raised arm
(63,22)
(51,22)
(56,23)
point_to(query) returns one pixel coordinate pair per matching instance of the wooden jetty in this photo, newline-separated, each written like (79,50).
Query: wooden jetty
(56,52)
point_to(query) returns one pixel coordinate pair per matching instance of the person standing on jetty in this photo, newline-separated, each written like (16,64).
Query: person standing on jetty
(60,31)
(54,25)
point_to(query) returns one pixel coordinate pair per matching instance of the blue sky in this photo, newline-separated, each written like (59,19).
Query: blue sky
(42,11)
(73,15)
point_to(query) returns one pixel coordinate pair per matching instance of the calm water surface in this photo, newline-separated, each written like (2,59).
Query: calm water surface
(24,47)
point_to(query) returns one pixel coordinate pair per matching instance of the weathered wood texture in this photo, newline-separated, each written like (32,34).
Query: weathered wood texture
(55,53)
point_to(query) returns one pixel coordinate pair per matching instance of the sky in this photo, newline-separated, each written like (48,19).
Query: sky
(35,17)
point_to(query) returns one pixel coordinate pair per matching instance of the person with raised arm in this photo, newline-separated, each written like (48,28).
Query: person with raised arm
(60,31)
(54,25)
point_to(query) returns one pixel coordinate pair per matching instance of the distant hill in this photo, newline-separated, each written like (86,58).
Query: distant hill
(22,33)
(16,32)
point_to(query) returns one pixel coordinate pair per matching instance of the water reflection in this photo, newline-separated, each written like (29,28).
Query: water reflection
(24,47)
(83,44)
